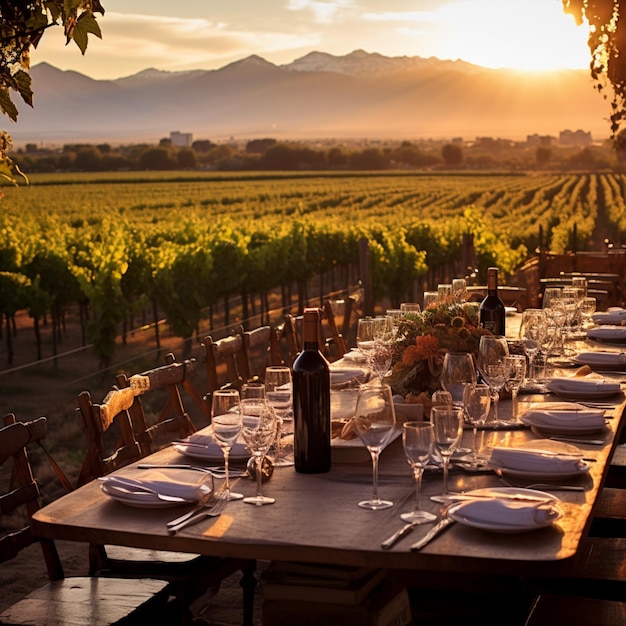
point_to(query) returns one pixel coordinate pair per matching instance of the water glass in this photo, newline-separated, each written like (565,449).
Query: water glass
(517,375)
(418,441)
(430,297)
(278,391)
(476,406)
(447,430)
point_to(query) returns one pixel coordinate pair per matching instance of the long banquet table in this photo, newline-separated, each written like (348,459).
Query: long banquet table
(316,518)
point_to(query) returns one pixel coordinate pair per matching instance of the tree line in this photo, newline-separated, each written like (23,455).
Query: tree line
(272,155)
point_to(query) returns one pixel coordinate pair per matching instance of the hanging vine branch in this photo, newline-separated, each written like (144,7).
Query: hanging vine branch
(606,20)
(23,24)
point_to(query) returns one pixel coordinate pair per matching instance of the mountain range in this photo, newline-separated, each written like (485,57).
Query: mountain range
(319,96)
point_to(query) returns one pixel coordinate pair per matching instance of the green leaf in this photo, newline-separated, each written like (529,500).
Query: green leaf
(23,81)
(6,104)
(85,24)
(54,9)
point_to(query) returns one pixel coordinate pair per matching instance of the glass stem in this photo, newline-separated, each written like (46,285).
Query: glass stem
(226,477)
(259,474)
(446,463)
(495,399)
(375,454)
(418,472)
(475,445)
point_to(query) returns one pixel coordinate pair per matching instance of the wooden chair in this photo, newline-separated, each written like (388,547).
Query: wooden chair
(284,342)
(226,361)
(123,410)
(92,601)
(257,349)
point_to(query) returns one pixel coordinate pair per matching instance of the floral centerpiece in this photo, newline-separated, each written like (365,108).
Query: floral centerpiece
(424,339)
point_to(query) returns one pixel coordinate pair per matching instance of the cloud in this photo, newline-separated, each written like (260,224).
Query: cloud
(324,12)
(133,42)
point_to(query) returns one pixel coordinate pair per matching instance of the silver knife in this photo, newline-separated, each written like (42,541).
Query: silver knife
(432,533)
(405,530)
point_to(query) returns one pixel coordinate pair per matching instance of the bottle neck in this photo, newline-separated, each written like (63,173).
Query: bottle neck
(310,331)
(492,282)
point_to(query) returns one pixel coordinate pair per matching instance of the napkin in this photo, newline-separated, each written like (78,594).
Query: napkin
(344,375)
(355,355)
(526,460)
(583,385)
(500,511)
(614,315)
(563,414)
(600,357)
(607,333)
(176,483)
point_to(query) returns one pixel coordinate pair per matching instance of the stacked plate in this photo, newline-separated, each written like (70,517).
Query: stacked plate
(537,464)
(609,334)
(157,488)
(507,510)
(583,388)
(614,315)
(602,360)
(201,446)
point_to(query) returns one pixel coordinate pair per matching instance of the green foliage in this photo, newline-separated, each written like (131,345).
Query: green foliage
(188,240)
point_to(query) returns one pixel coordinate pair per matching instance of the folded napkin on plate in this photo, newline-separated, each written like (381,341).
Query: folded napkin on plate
(344,375)
(562,414)
(614,315)
(583,385)
(176,483)
(508,512)
(607,332)
(600,357)
(526,460)
(355,355)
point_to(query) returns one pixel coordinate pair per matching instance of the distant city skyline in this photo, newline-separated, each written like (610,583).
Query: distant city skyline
(208,34)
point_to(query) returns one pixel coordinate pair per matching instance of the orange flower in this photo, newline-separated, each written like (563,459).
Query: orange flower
(426,347)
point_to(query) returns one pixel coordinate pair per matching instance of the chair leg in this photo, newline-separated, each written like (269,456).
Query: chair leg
(248,583)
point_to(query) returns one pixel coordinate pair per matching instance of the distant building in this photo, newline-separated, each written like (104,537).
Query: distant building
(181,140)
(534,141)
(575,138)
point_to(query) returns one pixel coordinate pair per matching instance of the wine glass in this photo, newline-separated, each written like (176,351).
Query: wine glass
(476,405)
(517,374)
(447,430)
(531,331)
(375,422)
(587,309)
(491,363)
(259,426)
(384,336)
(278,392)
(365,332)
(418,441)
(458,370)
(226,426)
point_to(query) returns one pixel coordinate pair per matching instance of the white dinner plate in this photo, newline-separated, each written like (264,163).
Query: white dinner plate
(140,499)
(456,513)
(515,473)
(582,395)
(212,452)
(559,429)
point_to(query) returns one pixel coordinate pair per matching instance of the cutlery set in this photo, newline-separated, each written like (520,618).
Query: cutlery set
(213,508)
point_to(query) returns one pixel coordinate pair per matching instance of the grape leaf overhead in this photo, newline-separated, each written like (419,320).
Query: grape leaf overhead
(607,44)
(22,24)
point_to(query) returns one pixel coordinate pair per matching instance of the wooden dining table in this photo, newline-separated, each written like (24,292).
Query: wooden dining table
(315,518)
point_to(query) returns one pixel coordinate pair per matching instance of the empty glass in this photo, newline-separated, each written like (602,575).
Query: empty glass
(492,365)
(279,396)
(517,374)
(447,430)
(226,425)
(375,422)
(476,405)
(418,440)
(458,370)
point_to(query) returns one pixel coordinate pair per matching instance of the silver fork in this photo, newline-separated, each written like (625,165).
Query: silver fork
(213,510)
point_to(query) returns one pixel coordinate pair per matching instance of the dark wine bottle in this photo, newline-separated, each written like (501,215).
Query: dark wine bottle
(311,402)
(491,313)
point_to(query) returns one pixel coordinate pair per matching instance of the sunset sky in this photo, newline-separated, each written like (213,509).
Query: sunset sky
(208,34)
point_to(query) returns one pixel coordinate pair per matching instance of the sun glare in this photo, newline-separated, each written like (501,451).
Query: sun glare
(519,34)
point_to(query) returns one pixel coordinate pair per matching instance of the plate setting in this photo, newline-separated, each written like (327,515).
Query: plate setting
(506,510)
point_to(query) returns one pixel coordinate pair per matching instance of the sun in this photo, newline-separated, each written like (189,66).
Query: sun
(518,34)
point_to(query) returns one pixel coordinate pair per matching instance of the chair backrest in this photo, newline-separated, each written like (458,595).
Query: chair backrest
(147,411)
(256,344)
(226,360)
(22,492)
(284,342)
(336,336)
